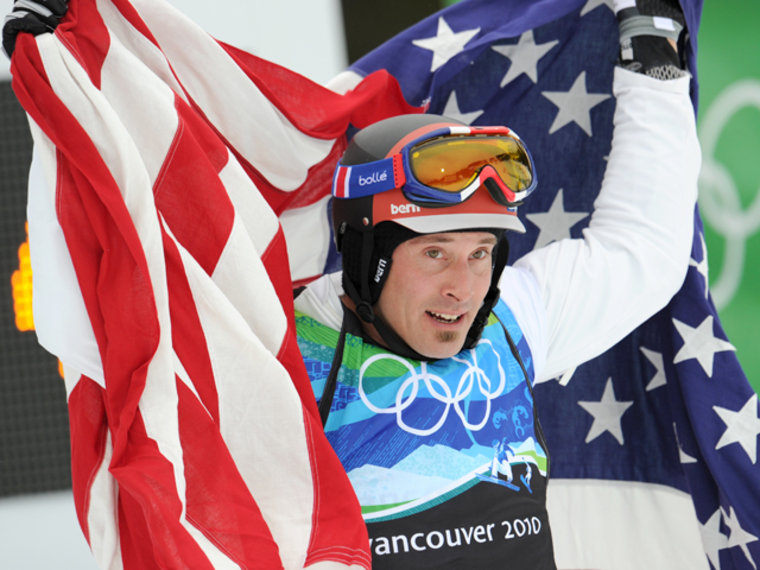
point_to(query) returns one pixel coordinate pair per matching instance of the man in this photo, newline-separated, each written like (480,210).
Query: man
(424,370)
(430,368)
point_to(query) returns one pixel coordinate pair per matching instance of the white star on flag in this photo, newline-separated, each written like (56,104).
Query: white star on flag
(700,343)
(607,413)
(712,539)
(742,427)
(656,359)
(555,223)
(452,110)
(683,457)
(738,536)
(446,43)
(574,105)
(591,4)
(528,55)
(566,376)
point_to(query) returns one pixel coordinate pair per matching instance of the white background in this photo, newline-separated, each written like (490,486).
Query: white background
(41,531)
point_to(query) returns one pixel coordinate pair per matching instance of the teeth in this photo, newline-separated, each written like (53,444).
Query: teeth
(444,318)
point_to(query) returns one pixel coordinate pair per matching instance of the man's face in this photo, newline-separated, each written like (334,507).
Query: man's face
(435,287)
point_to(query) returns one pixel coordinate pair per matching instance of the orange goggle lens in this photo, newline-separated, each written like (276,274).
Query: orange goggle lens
(451,163)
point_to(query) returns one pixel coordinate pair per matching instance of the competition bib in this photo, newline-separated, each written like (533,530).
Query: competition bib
(445,456)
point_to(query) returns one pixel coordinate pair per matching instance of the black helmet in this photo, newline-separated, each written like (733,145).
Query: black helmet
(379,201)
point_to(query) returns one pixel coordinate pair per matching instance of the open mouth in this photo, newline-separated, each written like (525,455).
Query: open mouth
(444,318)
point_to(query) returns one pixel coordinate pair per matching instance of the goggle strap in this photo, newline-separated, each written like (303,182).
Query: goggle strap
(369,178)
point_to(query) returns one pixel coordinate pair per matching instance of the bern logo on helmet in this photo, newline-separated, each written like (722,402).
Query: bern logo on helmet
(405,209)
(381,265)
(373,178)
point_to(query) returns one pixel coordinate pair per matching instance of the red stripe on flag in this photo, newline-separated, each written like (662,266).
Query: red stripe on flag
(334,499)
(219,503)
(335,503)
(130,15)
(320,113)
(150,528)
(188,192)
(91,42)
(188,339)
(315,110)
(275,262)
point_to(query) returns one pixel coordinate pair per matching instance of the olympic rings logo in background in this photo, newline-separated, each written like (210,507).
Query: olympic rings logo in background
(472,377)
(719,198)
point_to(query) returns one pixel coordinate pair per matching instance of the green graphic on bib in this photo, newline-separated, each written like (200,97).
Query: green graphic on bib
(413,435)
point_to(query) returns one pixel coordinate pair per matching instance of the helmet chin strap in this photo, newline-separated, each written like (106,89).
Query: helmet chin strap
(383,331)
(492,297)
(366,312)
(372,321)
(364,301)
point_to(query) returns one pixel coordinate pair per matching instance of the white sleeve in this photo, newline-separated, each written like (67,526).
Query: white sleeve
(521,293)
(634,254)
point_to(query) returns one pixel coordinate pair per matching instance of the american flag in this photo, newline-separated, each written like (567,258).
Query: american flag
(654,443)
(193,429)
(162,284)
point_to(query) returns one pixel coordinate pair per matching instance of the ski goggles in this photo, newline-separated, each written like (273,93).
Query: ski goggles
(445,167)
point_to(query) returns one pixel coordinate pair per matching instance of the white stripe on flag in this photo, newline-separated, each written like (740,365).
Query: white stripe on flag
(151,135)
(261,416)
(282,153)
(254,227)
(218,559)
(145,50)
(634,525)
(261,224)
(307,232)
(103,510)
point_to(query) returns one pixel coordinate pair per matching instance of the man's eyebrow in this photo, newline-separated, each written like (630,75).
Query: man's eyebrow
(445,238)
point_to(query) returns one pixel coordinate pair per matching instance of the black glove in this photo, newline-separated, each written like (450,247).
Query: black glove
(32,16)
(648,30)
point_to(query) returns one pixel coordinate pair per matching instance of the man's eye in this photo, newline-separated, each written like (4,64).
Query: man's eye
(481,254)
(434,253)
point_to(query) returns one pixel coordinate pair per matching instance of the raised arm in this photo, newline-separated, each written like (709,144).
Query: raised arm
(634,254)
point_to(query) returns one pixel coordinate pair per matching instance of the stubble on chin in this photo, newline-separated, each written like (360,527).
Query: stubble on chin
(447,336)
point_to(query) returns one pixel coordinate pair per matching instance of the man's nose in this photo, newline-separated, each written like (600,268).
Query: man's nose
(459,280)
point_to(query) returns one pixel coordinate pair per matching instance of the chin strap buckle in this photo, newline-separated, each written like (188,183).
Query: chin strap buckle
(365,312)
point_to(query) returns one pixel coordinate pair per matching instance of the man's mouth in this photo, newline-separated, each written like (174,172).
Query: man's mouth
(444,317)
